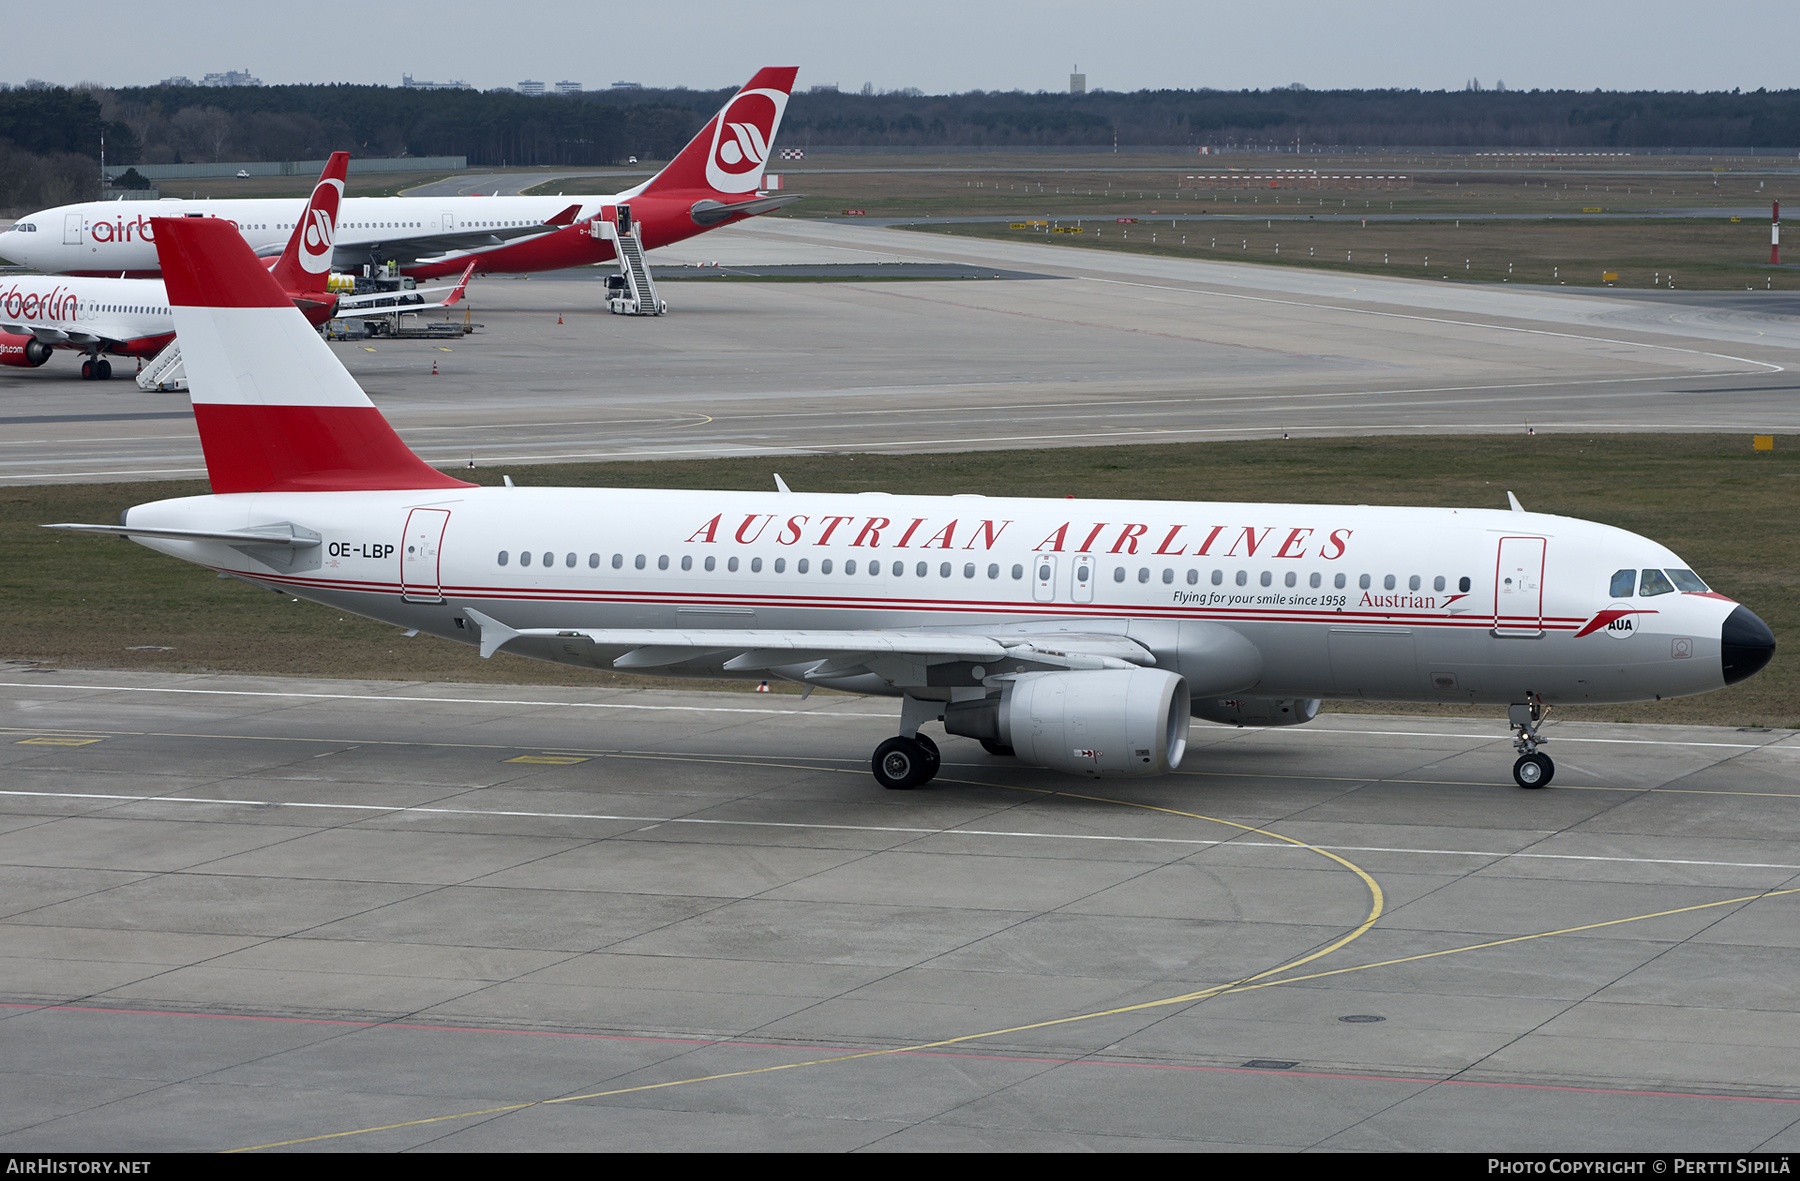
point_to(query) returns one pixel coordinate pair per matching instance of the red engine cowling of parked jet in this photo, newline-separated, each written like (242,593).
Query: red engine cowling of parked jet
(1099,723)
(27,352)
(1257,711)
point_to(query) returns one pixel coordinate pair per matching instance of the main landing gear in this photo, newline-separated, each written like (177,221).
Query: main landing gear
(1534,768)
(900,763)
(96,369)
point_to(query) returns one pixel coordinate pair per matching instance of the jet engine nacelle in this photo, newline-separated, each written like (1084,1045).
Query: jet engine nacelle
(1257,711)
(27,352)
(1101,722)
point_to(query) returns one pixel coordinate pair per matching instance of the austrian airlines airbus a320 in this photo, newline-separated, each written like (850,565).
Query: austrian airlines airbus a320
(1074,635)
(712,182)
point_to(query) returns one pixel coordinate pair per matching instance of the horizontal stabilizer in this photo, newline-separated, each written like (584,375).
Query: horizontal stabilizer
(289,539)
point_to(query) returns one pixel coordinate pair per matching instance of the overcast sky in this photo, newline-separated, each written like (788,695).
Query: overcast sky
(939,46)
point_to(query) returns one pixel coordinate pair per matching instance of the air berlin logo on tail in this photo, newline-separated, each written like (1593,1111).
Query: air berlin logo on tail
(741,139)
(315,236)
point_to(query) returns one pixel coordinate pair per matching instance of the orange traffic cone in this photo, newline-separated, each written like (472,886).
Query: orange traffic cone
(434,371)
(559,319)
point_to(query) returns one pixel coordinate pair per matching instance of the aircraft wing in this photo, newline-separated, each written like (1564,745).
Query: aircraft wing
(379,305)
(355,305)
(832,653)
(57,337)
(412,247)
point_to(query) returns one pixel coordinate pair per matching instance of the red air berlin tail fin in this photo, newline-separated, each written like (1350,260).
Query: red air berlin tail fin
(306,263)
(276,411)
(726,159)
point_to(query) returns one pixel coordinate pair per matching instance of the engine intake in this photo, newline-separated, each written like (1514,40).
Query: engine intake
(1098,723)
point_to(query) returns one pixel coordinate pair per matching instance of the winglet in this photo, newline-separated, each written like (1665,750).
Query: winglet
(1514,501)
(494,634)
(461,286)
(781,484)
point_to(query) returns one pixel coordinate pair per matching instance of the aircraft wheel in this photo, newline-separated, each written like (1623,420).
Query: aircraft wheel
(997,749)
(102,370)
(900,763)
(87,370)
(1534,770)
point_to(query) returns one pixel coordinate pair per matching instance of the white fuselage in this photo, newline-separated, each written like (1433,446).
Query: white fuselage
(115,236)
(1411,604)
(117,310)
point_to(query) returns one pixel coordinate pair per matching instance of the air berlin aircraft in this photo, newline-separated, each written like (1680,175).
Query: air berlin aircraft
(1075,635)
(714,181)
(132,317)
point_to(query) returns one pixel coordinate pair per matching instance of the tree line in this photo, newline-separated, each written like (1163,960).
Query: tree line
(50,138)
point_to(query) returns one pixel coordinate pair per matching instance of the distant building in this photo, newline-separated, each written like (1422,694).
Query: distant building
(568,88)
(177,80)
(231,78)
(530,87)
(1077,83)
(408,82)
(823,88)
(627,85)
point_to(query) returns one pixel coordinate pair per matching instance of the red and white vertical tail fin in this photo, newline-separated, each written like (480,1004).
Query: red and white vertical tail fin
(726,159)
(304,267)
(275,409)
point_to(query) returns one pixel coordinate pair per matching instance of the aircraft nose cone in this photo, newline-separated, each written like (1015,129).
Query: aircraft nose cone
(1745,645)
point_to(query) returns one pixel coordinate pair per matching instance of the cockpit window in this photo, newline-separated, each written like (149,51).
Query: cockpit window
(1686,580)
(1654,583)
(1622,582)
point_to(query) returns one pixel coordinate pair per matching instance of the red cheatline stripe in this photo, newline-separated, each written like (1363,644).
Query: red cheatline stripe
(984,607)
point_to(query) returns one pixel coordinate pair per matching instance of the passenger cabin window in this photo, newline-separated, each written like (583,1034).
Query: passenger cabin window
(1622,583)
(1462,585)
(1654,582)
(503,557)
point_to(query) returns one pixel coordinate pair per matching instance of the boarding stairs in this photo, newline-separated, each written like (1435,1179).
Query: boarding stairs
(165,373)
(631,292)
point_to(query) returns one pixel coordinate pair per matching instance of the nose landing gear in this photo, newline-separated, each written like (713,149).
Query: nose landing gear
(1534,768)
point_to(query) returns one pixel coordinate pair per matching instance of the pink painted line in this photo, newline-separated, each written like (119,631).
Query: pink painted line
(1172,1066)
